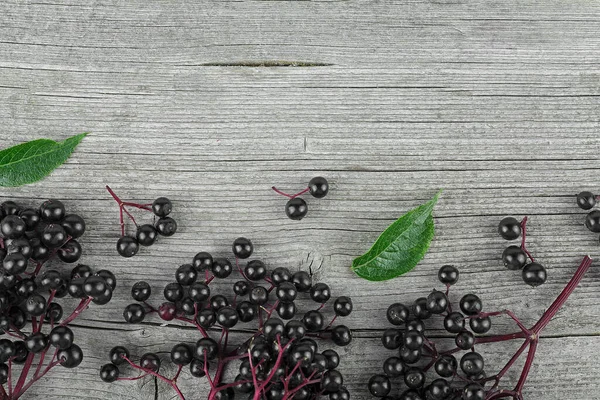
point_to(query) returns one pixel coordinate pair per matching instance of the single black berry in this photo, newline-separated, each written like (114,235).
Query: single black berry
(242,247)
(397,314)
(318,187)
(296,208)
(146,235)
(586,200)
(166,226)
(127,246)
(161,207)
(74,225)
(118,354)
(448,274)
(509,228)
(140,291)
(109,372)
(70,357)
(514,257)
(471,363)
(380,385)
(534,274)
(52,210)
(470,304)
(480,324)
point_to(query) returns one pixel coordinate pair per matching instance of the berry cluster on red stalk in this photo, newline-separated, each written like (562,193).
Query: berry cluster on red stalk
(279,360)
(38,338)
(417,353)
(146,234)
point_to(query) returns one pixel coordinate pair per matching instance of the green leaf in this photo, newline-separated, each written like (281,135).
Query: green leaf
(31,161)
(400,247)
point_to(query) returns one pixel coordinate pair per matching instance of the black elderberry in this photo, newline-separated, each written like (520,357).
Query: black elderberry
(246,311)
(167,311)
(313,320)
(415,325)
(392,338)
(134,313)
(480,324)
(464,340)
(36,342)
(70,357)
(52,210)
(379,385)
(54,312)
(109,373)
(341,335)
(51,280)
(108,277)
(419,309)
(280,275)
(7,350)
(333,358)
(127,246)
(141,291)
(301,353)
(166,226)
(470,304)
(471,363)
(341,394)
(413,340)
(186,275)
(331,381)
(509,228)
(294,330)
(437,302)
(19,245)
(242,248)
(302,281)
(221,268)
(199,292)
(202,261)
(73,225)
(439,389)
(118,354)
(181,354)
(94,286)
(54,236)
(414,378)
(286,291)
(161,207)
(9,208)
(150,361)
(448,275)
(454,322)
(320,292)
(394,367)
(12,226)
(473,391)
(296,208)
(446,365)
(318,187)
(14,264)
(286,309)
(35,305)
(534,274)
(31,218)
(514,257)
(397,314)
(255,270)
(409,356)
(146,235)
(241,288)
(81,271)
(207,318)
(586,200)
(206,348)
(218,301)
(227,317)
(342,306)
(197,368)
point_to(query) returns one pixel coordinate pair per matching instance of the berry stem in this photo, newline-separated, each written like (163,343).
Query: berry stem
(23,376)
(83,304)
(524,237)
(291,196)
(157,375)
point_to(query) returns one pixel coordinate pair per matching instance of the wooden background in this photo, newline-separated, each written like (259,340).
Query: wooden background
(212,102)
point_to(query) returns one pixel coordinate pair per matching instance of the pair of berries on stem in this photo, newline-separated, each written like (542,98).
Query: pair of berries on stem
(296,207)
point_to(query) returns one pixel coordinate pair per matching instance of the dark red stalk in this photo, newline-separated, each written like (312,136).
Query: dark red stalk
(291,196)
(523,238)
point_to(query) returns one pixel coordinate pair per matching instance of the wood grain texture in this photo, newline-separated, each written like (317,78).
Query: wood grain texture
(212,102)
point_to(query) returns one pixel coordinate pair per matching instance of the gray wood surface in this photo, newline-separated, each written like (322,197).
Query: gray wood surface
(212,102)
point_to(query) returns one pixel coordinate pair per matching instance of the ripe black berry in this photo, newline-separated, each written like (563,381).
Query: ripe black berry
(586,200)
(342,306)
(15,263)
(206,348)
(437,302)
(514,257)
(473,391)
(134,313)
(509,228)
(73,224)
(319,187)
(464,340)
(207,318)
(255,270)
(242,288)
(181,354)
(161,207)
(218,301)
(12,226)
(454,322)
(534,274)
(202,261)
(61,337)
(286,309)
(141,291)
(397,314)
(94,286)
(35,305)
(127,246)
(36,342)
(52,210)
(295,330)
(286,291)
(280,274)
(331,381)
(341,335)
(199,292)
(446,366)
(393,367)
(470,304)
(448,274)
(409,356)
(146,235)
(70,252)
(420,309)
(173,292)
(221,268)
(242,248)
(471,363)
(296,209)
(227,317)
(392,338)
(70,357)
(379,385)
(186,275)
(259,295)
(414,378)
(31,218)
(53,236)
(118,354)
(413,340)
(480,324)
(150,361)
(592,221)
(302,281)
(313,320)
(166,226)
(109,372)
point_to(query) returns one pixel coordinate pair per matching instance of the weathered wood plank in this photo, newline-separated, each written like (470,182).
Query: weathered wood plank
(496,103)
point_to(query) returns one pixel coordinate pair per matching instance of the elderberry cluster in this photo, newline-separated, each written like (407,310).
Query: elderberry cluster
(296,207)
(587,201)
(31,319)
(280,359)
(146,234)
(515,257)
(416,353)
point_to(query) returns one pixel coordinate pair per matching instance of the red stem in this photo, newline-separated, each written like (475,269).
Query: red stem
(80,307)
(291,196)
(170,382)
(523,238)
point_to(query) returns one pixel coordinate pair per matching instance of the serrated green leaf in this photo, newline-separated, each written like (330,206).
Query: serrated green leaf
(31,161)
(400,247)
